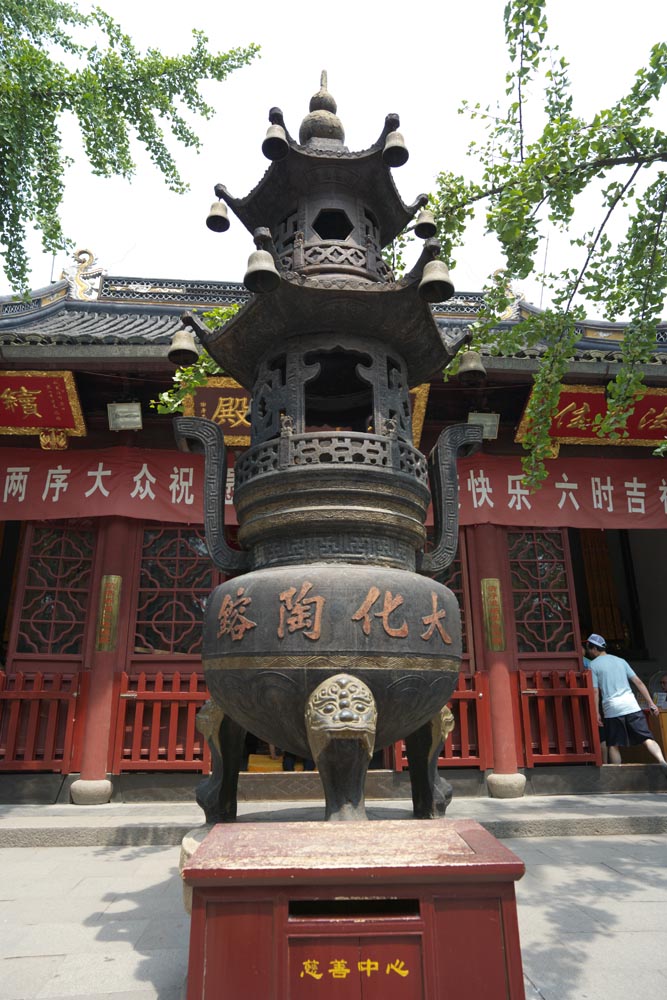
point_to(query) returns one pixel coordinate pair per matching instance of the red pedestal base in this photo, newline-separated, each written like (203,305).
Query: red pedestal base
(395,910)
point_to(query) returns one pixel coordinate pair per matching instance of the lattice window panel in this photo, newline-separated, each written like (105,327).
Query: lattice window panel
(540,591)
(176,577)
(453,578)
(56,595)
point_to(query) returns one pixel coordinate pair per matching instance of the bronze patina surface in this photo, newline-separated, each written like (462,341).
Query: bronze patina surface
(333,638)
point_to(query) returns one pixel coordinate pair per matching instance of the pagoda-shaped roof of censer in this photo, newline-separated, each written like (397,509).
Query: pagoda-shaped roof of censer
(320,217)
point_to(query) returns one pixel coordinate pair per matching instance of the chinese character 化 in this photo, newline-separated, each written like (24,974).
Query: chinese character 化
(391,603)
(300,612)
(231,617)
(434,621)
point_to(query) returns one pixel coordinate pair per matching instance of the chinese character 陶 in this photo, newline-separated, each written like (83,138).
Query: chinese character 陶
(56,480)
(231,616)
(98,482)
(310,967)
(568,489)
(602,494)
(434,621)
(300,613)
(26,399)
(517,493)
(180,485)
(338,968)
(233,409)
(143,484)
(397,966)
(16,481)
(391,603)
(480,489)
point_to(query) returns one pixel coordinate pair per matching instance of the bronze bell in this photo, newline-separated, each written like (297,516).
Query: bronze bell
(217,218)
(275,146)
(183,349)
(395,152)
(471,370)
(425,226)
(436,285)
(261,275)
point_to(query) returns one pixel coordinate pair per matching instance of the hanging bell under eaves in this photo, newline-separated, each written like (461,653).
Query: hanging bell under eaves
(436,285)
(217,218)
(425,226)
(471,370)
(395,152)
(261,275)
(275,145)
(183,349)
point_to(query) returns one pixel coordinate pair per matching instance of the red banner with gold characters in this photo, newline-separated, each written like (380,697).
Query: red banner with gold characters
(579,405)
(44,403)
(160,485)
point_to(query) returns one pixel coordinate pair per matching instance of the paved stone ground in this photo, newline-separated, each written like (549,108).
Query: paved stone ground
(93,922)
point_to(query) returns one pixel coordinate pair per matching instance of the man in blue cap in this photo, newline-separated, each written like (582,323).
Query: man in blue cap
(625,724)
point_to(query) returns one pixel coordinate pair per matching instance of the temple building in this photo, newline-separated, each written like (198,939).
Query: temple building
(105,571)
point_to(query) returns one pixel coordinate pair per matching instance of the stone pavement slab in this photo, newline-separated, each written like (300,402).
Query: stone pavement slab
(591,915)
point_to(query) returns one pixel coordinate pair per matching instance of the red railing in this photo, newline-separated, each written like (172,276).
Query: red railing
(469,744)
(37,716)
(155,728)
(558,715)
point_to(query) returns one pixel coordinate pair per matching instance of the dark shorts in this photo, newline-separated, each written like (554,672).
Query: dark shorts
(627,730)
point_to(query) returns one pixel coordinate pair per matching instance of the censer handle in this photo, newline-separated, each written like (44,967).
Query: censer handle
(210,436)
(466,438)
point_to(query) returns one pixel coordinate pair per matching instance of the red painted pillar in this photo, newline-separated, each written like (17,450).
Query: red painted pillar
(110,610)
(493,607)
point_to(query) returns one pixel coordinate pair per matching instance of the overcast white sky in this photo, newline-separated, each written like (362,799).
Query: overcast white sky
(420,60)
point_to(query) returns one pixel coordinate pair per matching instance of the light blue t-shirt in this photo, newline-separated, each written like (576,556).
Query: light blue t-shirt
(611,675)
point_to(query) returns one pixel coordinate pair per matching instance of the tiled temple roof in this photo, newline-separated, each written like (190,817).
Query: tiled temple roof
(140,311)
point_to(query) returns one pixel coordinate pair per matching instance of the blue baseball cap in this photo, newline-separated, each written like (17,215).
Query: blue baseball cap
(597,640)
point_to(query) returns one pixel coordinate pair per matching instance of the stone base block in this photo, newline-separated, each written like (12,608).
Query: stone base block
(191,841)
(91,793)
(506,786)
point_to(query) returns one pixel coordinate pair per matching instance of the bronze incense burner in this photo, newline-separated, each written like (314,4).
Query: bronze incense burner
(332,639)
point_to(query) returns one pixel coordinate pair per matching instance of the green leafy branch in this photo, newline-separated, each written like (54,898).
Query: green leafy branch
(114,92)
(530,178)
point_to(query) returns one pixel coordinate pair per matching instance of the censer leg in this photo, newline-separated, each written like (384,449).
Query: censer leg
(217,794)
(340,722)
(431,793)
